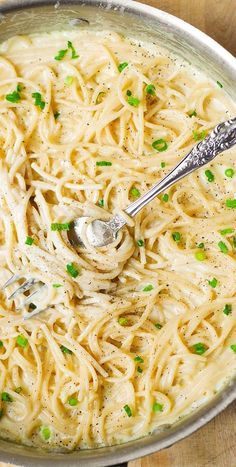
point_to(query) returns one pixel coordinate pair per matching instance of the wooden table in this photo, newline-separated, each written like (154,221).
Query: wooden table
(215,17)
(215,444)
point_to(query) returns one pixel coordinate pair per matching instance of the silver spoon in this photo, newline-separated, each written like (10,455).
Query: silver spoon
(100,233)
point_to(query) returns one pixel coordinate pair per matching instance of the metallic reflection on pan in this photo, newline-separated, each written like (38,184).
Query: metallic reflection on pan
(138,20)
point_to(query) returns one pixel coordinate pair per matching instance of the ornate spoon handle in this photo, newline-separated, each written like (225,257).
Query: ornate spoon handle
(221,138)
(102,233)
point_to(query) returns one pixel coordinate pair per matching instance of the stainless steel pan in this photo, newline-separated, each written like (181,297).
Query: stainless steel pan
(128,17)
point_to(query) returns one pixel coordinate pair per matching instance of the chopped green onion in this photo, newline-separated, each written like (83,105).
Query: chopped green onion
(227,309)
(157,407)
(1,413)
(165,198)
(101,203)
(199,136)
(199,348)
(122,66)
(45,433)
(233,347)
(148,288)
(176,236)
(223,247)
(56,115)
(69,80)
(56,286)
(38,100)
(127,409)
(65,350)
(158,325)
(72,401)
(234,242)
(18,390)
(72,270)
(21,341)
(29,241)
(150,89)
(128,92)
(160,145)
(200,245)
(73,52)
(200,255)
(61,54)
(229,173)
(1,344)
(6,397)
(14,97)
(192,113)
(135,192)
(134,101)
(163,164)
(226,231)
(58,227)
(138,359)
(213,282)
(139,369)
(100,97)
(103,164)
(219,84)
(231,203)
(210,176)
(140,242)
(122,321)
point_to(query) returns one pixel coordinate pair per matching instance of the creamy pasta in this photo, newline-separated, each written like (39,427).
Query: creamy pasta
(139,333)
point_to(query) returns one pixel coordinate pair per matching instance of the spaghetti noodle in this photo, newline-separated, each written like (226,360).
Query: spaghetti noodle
(141,332)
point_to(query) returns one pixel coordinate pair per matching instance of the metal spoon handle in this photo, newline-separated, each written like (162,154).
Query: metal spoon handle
(221,138)
(102,233)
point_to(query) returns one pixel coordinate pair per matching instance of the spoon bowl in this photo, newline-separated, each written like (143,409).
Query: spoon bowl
(100,233)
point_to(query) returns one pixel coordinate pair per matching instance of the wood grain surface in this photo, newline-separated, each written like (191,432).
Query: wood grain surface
(215,17)
(215,444)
